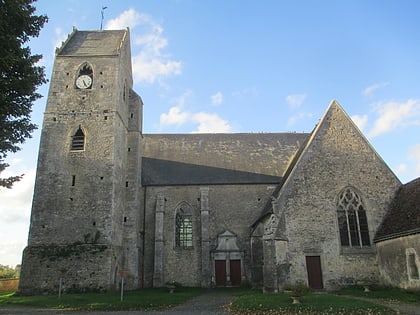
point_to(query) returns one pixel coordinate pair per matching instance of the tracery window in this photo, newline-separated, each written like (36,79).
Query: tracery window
(352,220)
(183,227)
(78,140)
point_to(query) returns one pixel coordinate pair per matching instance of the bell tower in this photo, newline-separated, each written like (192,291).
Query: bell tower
(86,208)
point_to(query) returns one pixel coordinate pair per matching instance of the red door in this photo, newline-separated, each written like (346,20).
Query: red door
(220,270)
(313,267)
(235,272)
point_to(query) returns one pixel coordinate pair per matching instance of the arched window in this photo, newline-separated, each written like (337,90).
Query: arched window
(78,141)
(183,227)
(352,220)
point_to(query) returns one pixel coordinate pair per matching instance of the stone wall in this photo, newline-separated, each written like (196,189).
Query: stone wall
(86,200)
(81,267)
(262,153)
(395,266)
(232,207)
(337,156)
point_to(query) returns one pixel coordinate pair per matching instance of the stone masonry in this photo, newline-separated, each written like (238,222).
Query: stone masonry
(209,210)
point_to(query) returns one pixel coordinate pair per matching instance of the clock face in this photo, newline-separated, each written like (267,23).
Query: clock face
(84,82)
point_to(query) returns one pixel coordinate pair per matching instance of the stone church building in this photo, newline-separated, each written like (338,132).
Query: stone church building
(209,210)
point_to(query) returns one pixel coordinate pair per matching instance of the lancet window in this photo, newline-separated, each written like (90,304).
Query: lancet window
(352,220)
(183,227)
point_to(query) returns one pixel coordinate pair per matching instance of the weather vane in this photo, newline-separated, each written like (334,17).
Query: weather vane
(102,14)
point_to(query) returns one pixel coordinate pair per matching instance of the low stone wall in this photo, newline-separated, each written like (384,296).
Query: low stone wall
(9,285)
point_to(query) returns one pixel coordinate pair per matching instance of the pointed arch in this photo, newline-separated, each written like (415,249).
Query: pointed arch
(352,220)
(85,69)
(183,226)
(78,140)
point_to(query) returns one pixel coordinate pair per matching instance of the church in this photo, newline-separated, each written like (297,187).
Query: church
(204,210)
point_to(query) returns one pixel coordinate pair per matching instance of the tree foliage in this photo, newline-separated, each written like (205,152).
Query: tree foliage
(7,272)
(20,75)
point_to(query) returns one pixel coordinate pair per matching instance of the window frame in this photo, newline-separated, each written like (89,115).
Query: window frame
(78,141)
(413,268)
(184,227)
(352,220)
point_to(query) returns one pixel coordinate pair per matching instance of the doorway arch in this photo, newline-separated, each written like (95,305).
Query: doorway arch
(227,261)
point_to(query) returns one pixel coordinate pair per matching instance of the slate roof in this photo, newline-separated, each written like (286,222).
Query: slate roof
(206,159)
(403,217)
(93,43)
(157,172)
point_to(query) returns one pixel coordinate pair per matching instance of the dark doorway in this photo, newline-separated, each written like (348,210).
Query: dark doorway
(235,272)
(220,270)
(313,267)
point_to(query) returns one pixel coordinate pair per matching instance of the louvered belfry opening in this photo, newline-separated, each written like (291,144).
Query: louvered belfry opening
(78,141)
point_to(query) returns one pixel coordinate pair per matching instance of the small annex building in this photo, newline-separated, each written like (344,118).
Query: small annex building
(398,239)
(206,210)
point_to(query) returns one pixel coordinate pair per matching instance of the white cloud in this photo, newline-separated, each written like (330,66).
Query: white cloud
(15,210)
(151,63)
(210,123)
(129,18)
(149,70)
(360,121)
(394,115)
(217,98)
(298,117)
(295,100)
(175,116)
(16,202)
(59,37)
(206,122)
(414,155)
(368,92)
(11,252)
(401,169)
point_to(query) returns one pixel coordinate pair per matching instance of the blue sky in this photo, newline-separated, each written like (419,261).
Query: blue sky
(246,66)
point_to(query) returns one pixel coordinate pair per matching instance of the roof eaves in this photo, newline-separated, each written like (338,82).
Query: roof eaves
(396,235)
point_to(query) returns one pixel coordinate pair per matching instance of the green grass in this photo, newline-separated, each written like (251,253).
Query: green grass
(141,299)
(246,301)
(259,303)
(390,294)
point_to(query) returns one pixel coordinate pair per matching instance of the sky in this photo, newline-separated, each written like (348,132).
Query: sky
(245,66)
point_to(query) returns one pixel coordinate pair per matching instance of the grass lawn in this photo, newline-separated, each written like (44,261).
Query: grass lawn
(270,304)
(245,302)
(390,294)
(140,299)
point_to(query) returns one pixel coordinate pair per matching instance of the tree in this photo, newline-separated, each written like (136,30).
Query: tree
(19,77)
(7,272)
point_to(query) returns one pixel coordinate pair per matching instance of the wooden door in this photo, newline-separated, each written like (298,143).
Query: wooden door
(235,272)
(313,267)
(220,271)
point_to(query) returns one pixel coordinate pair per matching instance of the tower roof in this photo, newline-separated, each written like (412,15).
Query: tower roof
(93,43)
